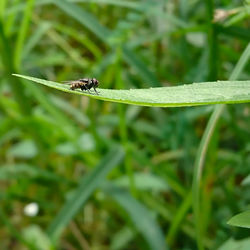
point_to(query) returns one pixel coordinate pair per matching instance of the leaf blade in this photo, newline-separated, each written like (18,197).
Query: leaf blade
(86,187)
(184,95)
(89,21)
(241,220)
(141,218)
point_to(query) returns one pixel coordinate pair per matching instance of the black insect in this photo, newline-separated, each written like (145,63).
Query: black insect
(84,84)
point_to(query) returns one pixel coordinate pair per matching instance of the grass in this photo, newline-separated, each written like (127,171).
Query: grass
(240,220)
(111,176)
(186,95)
(86,187)
(203,148)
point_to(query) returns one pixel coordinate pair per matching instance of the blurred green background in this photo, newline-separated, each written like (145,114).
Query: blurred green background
(77,173)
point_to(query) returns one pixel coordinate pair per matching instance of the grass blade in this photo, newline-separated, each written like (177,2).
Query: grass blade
(241,63)
(22,33)
(17,7)
(90,22)
(240,220)
(203,147)
(86,187)
(2,8)
(233,244)
(14,232)
(84,18)
(185,95)
(35,38)
(234,31)
(7,61)
(198,168)
(179,216)
(141,218)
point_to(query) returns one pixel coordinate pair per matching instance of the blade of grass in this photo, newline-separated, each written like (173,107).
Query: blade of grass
(41,29)
(2,8)
(212,75)
(241,220)
(179,216)
(18,85)
(84,18)
(11,18)
(120,3)
(23,33)
(64,45)
(239,17)
(86,187)
(135,62)
(203,147)
(123,125)
(238,32)
(47,104)
(84,40)
(167,214)
(141,218)
(7,60)
(122,238)
(241,63)
(17,7)
(232,244)
(13,231)
(23,170)
(184,95)
(212,42)
(68,49)
(198,168)
(90,22)
(77,115)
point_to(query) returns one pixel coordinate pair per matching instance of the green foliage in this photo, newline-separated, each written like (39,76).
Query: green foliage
(232,244)
(141,218)
(37,237)
(86,187)
(185,95)
(241,220)
(111,176)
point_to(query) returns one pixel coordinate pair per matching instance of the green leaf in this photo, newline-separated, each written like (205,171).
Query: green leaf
(25,149)
(142,219)
(184,95)
(37,237)
(232,244)
(143,181)
(246,181)
(86,187)
(24,170)
(240,220)
(86,19)
(121,239)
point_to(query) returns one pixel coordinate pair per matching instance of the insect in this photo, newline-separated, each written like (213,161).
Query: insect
(84,84)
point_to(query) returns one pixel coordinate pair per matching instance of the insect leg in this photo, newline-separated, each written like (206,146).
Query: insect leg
(95,90)
(83,88)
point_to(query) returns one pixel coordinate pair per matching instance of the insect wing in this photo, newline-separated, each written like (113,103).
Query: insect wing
(71,82)
(84,80)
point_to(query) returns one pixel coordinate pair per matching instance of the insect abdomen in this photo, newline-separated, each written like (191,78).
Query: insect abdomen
(75,85)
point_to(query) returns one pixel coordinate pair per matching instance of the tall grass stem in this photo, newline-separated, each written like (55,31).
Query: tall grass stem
(23,30)
(203,147)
